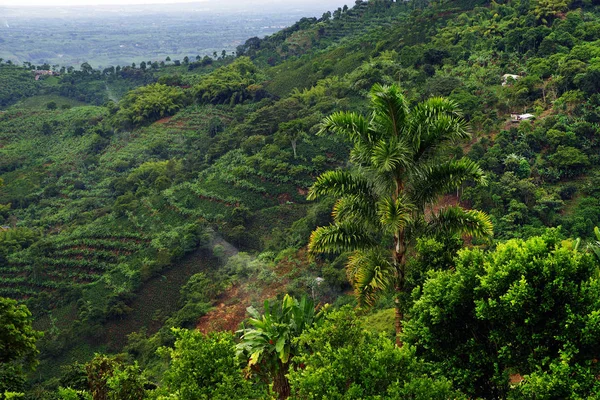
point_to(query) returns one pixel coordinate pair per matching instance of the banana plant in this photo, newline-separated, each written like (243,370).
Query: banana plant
(269,344)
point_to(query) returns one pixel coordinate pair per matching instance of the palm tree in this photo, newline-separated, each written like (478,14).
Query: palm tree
(385,201)
(269,345)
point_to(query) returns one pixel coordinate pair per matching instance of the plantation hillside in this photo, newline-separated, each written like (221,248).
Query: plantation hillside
(144,206)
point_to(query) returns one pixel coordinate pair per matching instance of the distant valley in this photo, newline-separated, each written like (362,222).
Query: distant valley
(119,35)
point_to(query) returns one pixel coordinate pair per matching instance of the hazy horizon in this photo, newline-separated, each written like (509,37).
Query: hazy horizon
(220,4)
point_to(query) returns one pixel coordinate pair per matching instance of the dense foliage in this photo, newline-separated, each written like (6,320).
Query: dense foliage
(141,198)
(18,351)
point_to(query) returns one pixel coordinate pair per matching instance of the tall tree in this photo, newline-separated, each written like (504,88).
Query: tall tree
(386,201)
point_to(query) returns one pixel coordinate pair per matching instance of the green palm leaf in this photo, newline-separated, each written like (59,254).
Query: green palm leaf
(351,125)
(394,215)
(340,183)
(370,273)
(431,181)
(390,112)
(456,220)
(435,122)
(356,209)
(338,238)
(390,155)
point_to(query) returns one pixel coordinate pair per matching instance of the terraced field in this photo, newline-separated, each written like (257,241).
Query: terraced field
(69,261)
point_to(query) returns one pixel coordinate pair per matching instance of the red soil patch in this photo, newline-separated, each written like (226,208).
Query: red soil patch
(230,310)
(163,120)
(283,198)
(515,379)
(228,314)
(302,191)
(449,200)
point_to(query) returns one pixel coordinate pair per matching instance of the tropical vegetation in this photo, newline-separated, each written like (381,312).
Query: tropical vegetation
(169,227)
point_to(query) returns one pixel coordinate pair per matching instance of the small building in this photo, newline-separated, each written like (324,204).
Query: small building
(521,117)
(507,77)
(43,72)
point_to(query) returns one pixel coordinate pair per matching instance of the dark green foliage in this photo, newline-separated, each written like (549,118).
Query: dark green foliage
(528,307)
(15,239)
(16,83)
(18,351)
(110,379)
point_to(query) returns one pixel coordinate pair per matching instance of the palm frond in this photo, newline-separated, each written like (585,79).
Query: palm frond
(338,238)
(340,183)
(456,220)
(370,273)
(394,215)
(352,125)
(390,155)
(356,209)
(390,111)
(431,181)
(434,123)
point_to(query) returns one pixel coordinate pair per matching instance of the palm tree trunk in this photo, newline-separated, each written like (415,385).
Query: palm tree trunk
(399,255)
(398,321)
(281,384)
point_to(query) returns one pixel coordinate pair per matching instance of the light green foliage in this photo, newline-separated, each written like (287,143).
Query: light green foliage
(546,10)
(231,84)
(569,160)
(270,344)
(72,394)
(205,367)
(529,307)
(149,103)
(342,360)
(154,175)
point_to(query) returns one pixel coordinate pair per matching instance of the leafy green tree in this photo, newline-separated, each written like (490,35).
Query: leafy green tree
(529,308)
(269,345)
(205,367)
(547,10)
(110,379)
(569,160)
(15,239)
(385,202)
(18,351)
(149,103)
(292,131)
(231,84)
(341,359)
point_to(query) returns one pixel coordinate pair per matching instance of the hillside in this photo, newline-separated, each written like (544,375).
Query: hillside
(140,198)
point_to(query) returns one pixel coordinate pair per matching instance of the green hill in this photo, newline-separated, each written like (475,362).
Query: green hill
(114,179)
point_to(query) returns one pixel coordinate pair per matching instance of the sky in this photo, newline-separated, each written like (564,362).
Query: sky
(83,3)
